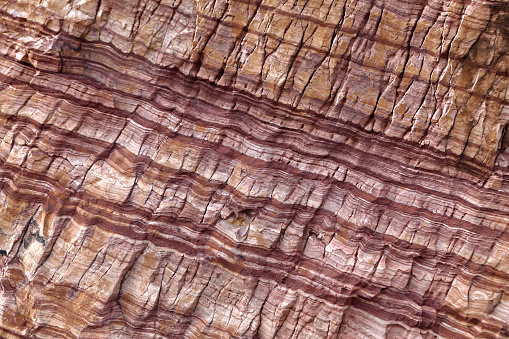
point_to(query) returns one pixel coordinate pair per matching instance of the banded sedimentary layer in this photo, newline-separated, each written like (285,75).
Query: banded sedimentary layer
(264,169)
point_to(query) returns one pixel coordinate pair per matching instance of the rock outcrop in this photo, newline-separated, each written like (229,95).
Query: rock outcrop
(235,168)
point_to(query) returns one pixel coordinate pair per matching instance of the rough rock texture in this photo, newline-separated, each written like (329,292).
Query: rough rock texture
(254,168)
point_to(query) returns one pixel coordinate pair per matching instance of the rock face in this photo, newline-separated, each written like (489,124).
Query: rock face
(233,168)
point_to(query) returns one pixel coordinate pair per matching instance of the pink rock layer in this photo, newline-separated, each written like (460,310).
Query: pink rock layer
(221,169)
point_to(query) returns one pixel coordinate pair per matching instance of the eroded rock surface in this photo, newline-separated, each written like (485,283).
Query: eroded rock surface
(236,168)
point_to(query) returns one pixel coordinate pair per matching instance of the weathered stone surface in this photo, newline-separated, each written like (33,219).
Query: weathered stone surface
(265,169)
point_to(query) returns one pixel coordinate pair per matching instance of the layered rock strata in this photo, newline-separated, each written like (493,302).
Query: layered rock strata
(222,169)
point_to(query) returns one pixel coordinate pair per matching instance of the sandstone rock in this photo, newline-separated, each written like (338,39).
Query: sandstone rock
(186,169)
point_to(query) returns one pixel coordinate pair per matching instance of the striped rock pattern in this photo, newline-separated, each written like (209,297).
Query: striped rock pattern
(268,168)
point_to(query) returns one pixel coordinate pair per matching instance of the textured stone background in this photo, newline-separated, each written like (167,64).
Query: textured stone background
(246,169)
